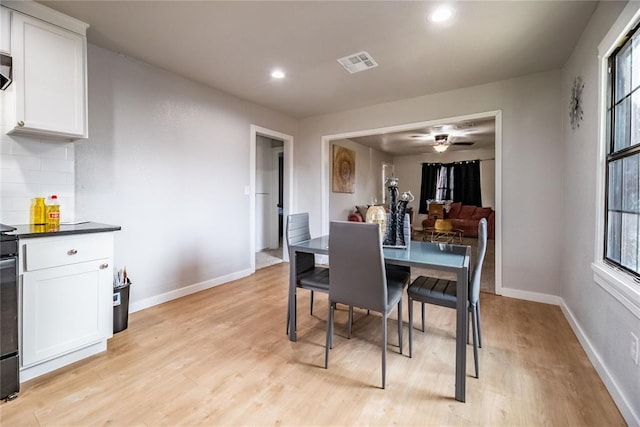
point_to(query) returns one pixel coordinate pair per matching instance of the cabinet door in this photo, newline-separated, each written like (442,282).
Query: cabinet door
(49,66)
(65,308)
(5,30)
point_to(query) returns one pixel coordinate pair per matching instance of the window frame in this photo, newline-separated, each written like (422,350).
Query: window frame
(611,154)
(618,283)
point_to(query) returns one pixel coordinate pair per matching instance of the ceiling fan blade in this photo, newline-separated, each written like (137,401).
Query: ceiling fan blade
(463,143)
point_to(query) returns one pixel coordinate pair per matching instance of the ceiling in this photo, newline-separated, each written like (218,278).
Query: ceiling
(233,46)
(462,135)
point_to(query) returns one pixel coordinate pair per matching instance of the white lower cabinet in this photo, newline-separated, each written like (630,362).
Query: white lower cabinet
(67,303)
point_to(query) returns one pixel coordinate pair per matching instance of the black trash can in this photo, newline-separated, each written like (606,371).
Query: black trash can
(121,307)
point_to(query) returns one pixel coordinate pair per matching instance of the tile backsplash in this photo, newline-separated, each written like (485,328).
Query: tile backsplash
(33,167)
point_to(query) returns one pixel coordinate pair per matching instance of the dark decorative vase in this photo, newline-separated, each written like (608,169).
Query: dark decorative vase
(394,235)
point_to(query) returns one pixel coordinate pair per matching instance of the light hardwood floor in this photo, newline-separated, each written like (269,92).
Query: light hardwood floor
(221,357)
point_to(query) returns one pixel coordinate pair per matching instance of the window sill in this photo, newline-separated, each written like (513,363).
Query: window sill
(619,285)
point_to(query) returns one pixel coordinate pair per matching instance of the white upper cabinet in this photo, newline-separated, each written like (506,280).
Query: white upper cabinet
(49,89)
(5,30)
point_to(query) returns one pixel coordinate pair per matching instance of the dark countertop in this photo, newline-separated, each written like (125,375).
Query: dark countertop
(30,230)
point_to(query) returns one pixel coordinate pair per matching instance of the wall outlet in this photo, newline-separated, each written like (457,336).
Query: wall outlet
(634,348)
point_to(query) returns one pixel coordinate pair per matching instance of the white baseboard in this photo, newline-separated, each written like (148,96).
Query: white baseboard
(188,290)
(618,396)
(33,371)
(531,296)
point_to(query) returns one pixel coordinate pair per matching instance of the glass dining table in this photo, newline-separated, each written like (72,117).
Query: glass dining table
(436,256)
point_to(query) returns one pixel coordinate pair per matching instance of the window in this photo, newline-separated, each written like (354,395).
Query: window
(622,201)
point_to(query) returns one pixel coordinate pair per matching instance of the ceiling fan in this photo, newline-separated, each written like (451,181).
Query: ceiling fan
(443,141)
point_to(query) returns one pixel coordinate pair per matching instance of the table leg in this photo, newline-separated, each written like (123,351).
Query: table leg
(462,312)
(292,297)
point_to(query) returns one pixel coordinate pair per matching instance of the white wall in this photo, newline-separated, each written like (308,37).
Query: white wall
(168,160)
(531,115)
(601,321)
(368,182)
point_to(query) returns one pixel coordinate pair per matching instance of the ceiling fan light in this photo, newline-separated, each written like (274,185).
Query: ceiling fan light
(441,148)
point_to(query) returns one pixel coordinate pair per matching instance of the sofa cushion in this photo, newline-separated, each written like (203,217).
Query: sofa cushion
(466,212)
(481,213)
(362,210)
(454,210)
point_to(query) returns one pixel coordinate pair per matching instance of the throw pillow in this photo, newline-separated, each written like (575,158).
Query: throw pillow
(466,212)
(454,210)
(362,210)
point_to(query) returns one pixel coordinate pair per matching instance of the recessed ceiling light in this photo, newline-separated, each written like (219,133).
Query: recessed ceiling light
(441,14)
(277,74)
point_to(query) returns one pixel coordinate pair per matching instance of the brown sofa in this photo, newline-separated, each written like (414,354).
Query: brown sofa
(467,218)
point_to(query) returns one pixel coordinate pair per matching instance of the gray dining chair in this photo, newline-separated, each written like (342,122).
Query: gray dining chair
(358,279)
(443,292)
(308,275)
(400,273)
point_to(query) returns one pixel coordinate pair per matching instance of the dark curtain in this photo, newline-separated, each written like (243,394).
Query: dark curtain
(429,184)
(466,178)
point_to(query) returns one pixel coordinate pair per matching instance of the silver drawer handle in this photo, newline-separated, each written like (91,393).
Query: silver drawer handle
(103,266)
(72,251)
(20,123)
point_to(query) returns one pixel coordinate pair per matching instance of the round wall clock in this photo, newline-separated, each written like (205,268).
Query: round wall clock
(575,102)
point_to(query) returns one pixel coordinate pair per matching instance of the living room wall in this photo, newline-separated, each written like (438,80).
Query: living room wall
(368,180)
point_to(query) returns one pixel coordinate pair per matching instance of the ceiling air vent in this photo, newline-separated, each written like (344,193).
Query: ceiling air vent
(358,62)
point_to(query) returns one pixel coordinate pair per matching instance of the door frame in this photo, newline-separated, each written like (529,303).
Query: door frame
(287,178)
(274,232)
(325,172)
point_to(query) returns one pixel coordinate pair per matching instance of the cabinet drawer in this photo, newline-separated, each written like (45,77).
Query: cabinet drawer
(64,251)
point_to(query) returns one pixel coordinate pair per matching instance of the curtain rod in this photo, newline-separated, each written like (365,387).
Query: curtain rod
(460,162)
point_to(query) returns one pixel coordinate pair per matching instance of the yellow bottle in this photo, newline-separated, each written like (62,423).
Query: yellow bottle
(38,211)
(52,212)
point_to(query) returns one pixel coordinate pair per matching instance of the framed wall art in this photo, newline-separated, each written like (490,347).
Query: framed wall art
(344,170)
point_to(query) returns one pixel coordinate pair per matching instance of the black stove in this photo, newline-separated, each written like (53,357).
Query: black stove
(9,357)
(6,228)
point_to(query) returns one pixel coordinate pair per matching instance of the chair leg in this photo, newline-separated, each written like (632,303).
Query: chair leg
(400,325)
(478,324)
(329,336)
(289,313)
(410,327)
(349,322)
(384,349)
(474,324)
(311,304)
(423,322)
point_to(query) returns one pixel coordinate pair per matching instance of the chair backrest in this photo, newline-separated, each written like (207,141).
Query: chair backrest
(297,228)
(407,229)
(474,283)
(297,231)
(436,211)
(356,265)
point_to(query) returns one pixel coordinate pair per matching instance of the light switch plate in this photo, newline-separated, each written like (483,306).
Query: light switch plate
(634,348)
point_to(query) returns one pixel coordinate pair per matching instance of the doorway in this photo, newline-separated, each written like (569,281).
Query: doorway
(383,134)
(270,195)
